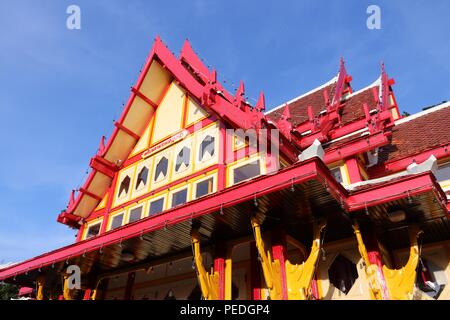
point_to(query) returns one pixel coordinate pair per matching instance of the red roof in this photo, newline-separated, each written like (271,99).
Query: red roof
(299,107)
(422,132)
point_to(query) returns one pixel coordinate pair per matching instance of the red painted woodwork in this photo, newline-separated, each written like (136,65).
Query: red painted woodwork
(279,244)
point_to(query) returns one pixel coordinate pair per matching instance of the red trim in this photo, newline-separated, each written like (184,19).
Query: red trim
(394,190)
(401,164)
(104,166)
(90,194)
(126,130)
(353,170)
(298,173)
(353,147)
(143,97)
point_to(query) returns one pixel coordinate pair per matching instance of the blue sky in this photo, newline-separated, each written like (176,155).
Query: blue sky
(61,89)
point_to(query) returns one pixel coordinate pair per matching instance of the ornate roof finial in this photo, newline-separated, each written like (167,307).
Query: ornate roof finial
(101,148)
(286,113)
(261,104)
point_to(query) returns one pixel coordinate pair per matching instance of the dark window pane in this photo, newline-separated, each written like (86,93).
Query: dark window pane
(183,159)
(116,221)
(336,172)
(161,169)
(124,186)
(179,197)
(156,206)
(203,188)
(206,148)
(135,214)
(443,172)
(142,177)
(247,171)
(342,273)
(93,230)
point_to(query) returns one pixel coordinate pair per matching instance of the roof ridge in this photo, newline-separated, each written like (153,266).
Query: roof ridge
(423,113)
(331,81)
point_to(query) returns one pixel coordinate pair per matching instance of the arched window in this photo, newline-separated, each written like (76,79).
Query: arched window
(183,159)
(206,148)
(142,177)
(124,186)
(161,169)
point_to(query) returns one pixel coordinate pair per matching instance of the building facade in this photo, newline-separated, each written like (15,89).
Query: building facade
(200,194)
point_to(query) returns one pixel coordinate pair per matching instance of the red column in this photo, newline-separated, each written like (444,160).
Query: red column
(255,270)
(279,252)
(219,267)
(353,170)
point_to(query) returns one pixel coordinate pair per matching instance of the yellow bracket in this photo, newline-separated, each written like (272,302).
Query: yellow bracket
(67,293)
(40,287)
(400,282)
(208,281)
(299,276)
(371,270)
(271,269)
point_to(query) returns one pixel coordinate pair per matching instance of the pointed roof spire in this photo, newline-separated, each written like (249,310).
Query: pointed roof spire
(241,90)
(261,104)
(286,113)
(102,147)
(188,56)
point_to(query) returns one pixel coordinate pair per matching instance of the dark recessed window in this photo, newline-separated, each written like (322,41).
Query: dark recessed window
(117,221)
(343,273)
(247,171)
(135,214)
(156,206)
(204,187)
(206,148)
(161,169)
(124,186)
(336,172)
(142,177)
(179,197)
(443,172)
(183,159)
(93,230)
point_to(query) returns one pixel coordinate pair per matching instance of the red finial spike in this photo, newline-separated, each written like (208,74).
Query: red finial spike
(241,90)
(383,70)
(213,77)
(286,113)
(101,148)
(261,104)
(341,63)
(71,200)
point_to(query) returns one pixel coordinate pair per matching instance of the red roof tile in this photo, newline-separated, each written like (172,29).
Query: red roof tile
(299,108)
(417,135)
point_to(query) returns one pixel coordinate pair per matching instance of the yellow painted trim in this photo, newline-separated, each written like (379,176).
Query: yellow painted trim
(190,124)
(102,203)
(212,129)
(212,174)
(345,175)
(157,112)
(90,224)
(117,201)
(176,149)
(234,142)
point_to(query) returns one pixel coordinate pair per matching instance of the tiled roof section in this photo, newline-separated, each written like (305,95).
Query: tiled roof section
(417,135)
(353,106)
(299,108)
